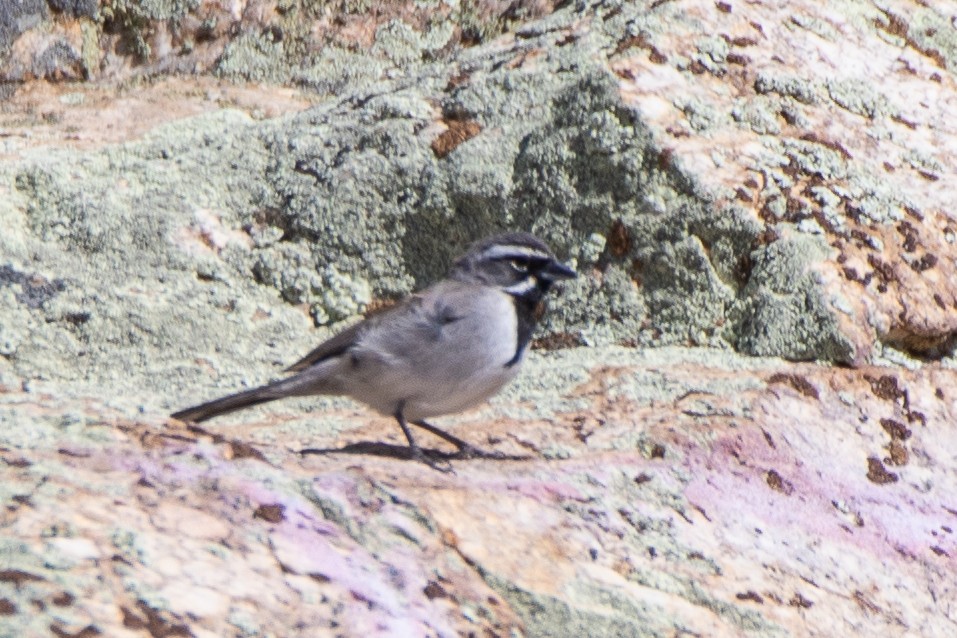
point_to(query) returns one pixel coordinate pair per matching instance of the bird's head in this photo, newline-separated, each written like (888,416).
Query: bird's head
(518,263)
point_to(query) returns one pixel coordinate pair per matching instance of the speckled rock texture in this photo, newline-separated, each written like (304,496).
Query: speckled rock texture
(647,494)
(738,421)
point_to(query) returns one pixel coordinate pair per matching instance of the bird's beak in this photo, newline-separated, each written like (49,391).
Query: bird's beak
(557,270)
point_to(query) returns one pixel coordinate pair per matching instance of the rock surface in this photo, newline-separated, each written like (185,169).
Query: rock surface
(649,494)
(753,179)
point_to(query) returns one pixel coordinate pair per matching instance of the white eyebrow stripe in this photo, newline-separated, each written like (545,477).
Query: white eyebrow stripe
(526,285)
(499,252)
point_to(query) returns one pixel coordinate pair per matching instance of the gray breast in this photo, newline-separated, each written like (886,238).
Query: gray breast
(449,353)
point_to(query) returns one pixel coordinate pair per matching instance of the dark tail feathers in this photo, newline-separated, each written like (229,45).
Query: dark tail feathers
(227,404)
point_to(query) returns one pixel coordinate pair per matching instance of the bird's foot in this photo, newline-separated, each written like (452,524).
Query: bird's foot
(416,454)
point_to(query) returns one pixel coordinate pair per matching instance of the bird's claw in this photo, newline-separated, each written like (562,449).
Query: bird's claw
(440,466)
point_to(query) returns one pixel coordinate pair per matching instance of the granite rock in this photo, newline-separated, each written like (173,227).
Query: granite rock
(736,422)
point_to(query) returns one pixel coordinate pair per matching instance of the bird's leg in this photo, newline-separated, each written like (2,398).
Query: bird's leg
(415,452)
(466,449)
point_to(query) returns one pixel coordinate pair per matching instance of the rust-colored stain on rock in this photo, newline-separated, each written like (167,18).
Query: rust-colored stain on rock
(799,383)
(456,133)
(273,513)
(877,473)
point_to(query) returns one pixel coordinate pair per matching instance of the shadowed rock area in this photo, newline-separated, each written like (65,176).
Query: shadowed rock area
(738,421)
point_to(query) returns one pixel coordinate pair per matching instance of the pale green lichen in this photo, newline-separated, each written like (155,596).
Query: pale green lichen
(90,47)
(858,96)
(134,19)
(932,33)
(802,90)
(258,57)
(341,297)
(782,311)
(592,248)
(760,114)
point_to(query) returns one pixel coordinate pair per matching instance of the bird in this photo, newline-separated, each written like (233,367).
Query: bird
(439,351)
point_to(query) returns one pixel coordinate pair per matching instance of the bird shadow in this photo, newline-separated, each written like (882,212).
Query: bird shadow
(374,448)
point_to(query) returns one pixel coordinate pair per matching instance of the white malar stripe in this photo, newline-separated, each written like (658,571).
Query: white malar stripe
(526,285)
(513,251)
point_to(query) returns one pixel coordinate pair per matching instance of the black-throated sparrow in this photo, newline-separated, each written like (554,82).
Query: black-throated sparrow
(439,351)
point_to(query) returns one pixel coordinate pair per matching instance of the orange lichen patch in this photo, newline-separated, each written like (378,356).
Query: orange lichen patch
(456,133)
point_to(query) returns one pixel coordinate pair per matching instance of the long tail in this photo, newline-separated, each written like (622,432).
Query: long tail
(298,385)
(225,405)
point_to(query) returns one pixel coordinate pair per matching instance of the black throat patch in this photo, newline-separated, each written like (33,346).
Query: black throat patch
(528,310)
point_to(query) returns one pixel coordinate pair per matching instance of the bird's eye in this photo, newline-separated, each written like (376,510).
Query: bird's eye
(520,265)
